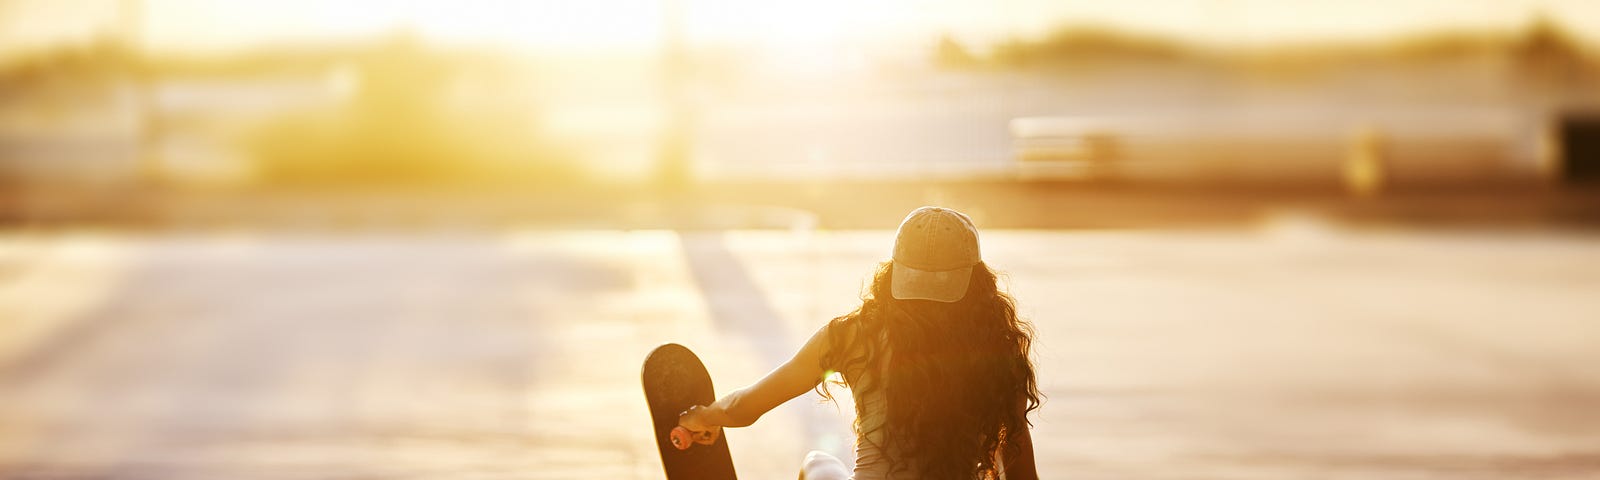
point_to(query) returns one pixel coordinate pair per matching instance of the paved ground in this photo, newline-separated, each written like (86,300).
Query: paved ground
(1290,351)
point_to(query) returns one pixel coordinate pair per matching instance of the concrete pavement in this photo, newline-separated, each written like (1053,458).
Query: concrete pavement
(1290,351)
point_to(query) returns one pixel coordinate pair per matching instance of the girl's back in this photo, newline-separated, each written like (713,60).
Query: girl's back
(936,359)
(935,383)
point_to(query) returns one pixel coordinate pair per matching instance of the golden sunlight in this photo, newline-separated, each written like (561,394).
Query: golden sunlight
(639,24)
(600,24)
(292,239)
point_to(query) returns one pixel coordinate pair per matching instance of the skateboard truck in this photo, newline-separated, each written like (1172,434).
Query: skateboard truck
(682,438)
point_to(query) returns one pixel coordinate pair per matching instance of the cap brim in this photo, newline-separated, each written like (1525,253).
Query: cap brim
(941,286)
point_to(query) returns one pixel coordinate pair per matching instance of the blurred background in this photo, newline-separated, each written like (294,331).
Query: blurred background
(434,239)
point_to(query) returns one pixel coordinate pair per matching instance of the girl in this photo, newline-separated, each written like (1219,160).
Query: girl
(937,361)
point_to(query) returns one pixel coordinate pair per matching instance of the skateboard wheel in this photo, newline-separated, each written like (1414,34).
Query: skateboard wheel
(681,438)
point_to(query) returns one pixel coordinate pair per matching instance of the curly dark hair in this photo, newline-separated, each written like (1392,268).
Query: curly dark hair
(959,378)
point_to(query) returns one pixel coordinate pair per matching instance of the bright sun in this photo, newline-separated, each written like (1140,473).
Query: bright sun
(639,25)
(538,25)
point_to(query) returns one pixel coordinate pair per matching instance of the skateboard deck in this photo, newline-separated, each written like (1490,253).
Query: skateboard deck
(674,379)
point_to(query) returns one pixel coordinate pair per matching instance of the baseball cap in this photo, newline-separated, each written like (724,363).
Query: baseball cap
(934,252)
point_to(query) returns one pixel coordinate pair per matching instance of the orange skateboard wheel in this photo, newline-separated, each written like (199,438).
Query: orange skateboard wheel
(681,438)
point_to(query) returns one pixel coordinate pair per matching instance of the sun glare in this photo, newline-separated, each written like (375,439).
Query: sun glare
(594,25)
(639,26)
(589,25)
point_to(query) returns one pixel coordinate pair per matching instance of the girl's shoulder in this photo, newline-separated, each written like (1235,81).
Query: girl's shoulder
(846,334)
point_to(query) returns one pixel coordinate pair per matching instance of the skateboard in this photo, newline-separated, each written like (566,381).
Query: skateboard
(674,379)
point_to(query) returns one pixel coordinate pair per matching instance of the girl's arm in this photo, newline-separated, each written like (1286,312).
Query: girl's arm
(742,407)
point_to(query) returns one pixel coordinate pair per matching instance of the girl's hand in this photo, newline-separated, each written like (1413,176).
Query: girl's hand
(697,420)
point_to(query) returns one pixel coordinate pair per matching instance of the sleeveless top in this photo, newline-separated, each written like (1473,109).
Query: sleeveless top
(874,456)
(873,459)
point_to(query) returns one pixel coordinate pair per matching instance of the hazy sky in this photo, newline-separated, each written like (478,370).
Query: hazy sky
(210,25)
